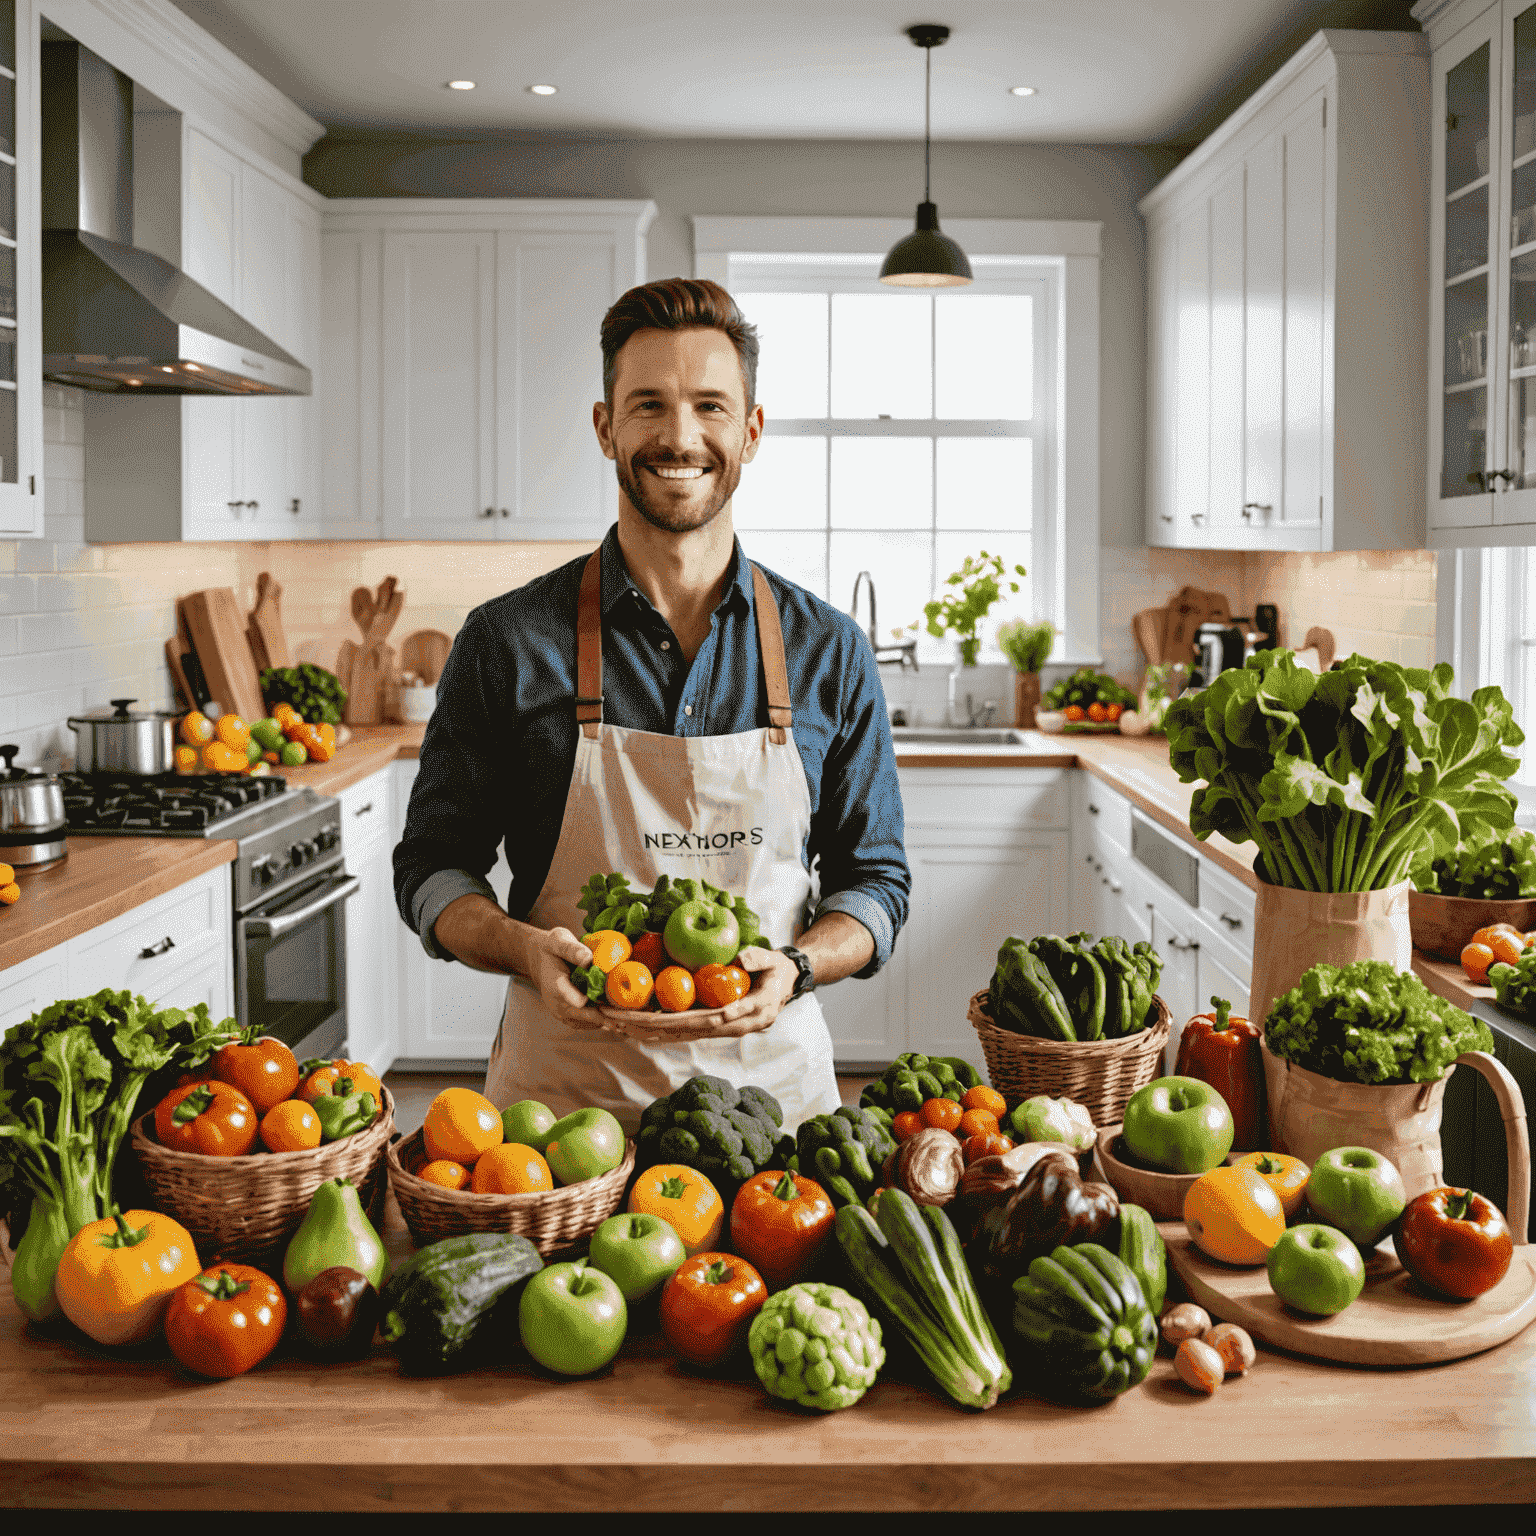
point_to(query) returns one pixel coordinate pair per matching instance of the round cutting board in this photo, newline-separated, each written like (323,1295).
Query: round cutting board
(1392,1322)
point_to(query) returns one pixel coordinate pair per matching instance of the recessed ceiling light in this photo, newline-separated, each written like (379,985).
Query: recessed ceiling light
(461,85)
(1021,90)
(543,90)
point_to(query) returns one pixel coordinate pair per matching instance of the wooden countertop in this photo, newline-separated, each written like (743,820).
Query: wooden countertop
(137,1432)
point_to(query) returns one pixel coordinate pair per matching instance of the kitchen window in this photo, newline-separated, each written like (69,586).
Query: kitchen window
(907,429)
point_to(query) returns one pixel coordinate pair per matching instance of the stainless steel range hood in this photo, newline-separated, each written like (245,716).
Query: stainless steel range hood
(117,318)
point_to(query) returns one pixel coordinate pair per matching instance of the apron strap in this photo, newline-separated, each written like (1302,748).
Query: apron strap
(589,647)
(589,652)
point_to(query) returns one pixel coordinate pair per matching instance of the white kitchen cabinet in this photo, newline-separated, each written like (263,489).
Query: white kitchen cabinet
(31,985)
(375,933)
(1286,275)
(461,363)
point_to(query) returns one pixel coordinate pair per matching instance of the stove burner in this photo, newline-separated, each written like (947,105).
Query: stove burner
(175,803)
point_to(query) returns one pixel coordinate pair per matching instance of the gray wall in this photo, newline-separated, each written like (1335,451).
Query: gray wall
(827,177)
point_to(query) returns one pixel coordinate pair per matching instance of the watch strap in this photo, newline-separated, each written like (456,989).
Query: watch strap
(806,980)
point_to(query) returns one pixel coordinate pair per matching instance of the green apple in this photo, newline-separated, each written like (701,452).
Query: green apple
(584,1145)
(528,1123)
(702,933)
(268,735)
(1178,1124)
(638,1251)
(1358,1191)
(572,1318)
(1316,1269)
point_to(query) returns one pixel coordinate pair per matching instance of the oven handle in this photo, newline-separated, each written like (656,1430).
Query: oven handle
(276,927)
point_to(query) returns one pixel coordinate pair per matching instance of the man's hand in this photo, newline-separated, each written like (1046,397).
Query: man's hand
(550,956)
(773,979)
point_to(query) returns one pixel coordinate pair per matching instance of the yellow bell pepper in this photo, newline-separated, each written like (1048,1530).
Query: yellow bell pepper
(683,1198)
(117,1276)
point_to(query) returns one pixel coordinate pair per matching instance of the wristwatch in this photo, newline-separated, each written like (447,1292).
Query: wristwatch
(807,977)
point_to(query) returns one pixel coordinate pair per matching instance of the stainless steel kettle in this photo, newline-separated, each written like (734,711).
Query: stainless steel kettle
(32,825)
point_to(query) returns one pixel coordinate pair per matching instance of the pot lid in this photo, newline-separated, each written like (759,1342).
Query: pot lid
(117,711)
(11,774)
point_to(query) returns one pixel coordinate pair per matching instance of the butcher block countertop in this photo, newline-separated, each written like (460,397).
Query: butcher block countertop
(138,1432)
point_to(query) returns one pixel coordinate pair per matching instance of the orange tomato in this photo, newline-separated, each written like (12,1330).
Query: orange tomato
(1097,713)
(283,711)
(675,989)
(907,1124)
(461,1125)
(323,1080)
(511,1169)
(217,758)
(1488,934)
(291,1126)
(320,750)
(719,985)
(983,1097)
(446,1172)
(1507,947)
(1234,1215)
(985,1146)
(1113,712)
(1475,960)
(685,1199)
(196,728)
(232,731)
(1073,712)
(1284,1174)
(609,948)
(264,1070)
(943,1115)
(977,1122)
(327,733)
(629,985)
(651,953)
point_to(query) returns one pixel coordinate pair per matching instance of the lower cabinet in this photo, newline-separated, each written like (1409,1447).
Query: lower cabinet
(29,987)
(376,937)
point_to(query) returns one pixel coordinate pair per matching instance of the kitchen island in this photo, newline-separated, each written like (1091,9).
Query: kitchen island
(86,1428)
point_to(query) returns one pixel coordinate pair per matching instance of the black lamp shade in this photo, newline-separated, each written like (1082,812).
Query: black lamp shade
(927,258)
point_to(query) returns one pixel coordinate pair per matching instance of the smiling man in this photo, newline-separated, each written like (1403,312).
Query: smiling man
(661,707)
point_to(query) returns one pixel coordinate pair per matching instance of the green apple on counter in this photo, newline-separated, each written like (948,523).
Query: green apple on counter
(702,933)
(1315,1269)
(1358,1191)
(638,1251)
(528,1123)
(572,1318)
(585,1144)
(1178,1124)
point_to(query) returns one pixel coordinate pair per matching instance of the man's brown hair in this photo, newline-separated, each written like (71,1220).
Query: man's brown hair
(679,304)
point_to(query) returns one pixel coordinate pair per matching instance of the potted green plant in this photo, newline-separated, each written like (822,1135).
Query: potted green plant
(1026,646)
(981,580)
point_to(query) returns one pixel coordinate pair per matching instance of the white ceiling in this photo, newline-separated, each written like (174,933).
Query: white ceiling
(1107,71)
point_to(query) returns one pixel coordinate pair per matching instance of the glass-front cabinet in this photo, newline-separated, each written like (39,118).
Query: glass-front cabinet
(21,437)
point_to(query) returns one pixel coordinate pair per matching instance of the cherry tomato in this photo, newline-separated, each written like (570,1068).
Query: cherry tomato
(977,1122)
(941,1114)
(906,1125)
(213,1118)
(983,1097)
(992,1144)
(708,1306)
(264,1070)
(1073,712)
(1455,1241)
(1097,713)
(1113,712)
(226,1320)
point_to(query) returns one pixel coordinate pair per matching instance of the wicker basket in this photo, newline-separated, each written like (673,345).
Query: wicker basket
(1099,1074)
(553,1221)
(245,1209)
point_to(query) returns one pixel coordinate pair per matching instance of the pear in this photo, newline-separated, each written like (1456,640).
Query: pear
(335,1231)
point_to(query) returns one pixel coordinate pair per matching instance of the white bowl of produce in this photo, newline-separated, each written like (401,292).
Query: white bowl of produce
(1051,721)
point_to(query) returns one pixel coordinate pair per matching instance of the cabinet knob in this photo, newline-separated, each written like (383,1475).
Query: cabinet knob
(1093,810)
(253,505)
(295,506)
(1508,476)
(489,512)
(505,513)
(1115,886)
(1197,517)
(1234,923)
(234,506)
(152,951)
(1250,507)
(1167,517)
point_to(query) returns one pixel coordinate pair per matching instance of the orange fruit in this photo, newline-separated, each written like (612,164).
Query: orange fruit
(1475,960)
(362,1077)
(943,1115)
(1233,1215)
(218,758)
(719,985)
(1284,1174)
(675,990)
(7,874)
(284,712)
(985,1146)
(233,732)
(327,733)
(445,1171)
(185,759)
(511,1169)
(906,1125)
(977,1122)
(290,1126)
(1507,947)
(461,1125)
(983,1097)
(10,894)
(651,953)
(629,985)
(609,948)
(196,728)
(1488,934)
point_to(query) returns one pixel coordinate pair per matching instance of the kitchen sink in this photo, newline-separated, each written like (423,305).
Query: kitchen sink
(966,736)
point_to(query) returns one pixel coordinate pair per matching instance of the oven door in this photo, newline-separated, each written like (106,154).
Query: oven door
(291,965)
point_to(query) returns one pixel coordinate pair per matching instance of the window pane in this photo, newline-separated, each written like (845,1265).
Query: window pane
(882,482)
(949,554)
(802,557)
(985,482)
(792,360)
(882,355)
(901,566)
(785,486)
(984,350)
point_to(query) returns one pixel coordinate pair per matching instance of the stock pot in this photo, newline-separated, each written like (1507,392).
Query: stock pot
(121,740)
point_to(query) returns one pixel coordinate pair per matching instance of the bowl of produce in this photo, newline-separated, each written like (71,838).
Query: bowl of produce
(1482,883)
(1154,1189)
(1089,701)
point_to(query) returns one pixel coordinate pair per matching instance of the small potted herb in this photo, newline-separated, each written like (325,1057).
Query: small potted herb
(981,580)
(1027,646)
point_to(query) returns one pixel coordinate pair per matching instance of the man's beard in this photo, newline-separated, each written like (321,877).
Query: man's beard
(674,518)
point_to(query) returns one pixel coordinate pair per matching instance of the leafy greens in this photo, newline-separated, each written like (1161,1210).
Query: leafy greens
(1343,780)
(1483,865)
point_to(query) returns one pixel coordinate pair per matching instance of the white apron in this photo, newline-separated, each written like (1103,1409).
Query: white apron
(732,810)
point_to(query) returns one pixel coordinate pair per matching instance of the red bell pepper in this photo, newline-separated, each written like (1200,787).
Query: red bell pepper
(1224,1051)
(780,1223)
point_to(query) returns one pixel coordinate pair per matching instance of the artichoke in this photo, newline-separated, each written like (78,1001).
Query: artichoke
(816,1345)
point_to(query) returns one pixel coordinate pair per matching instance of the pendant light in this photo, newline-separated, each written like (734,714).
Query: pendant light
(926,258)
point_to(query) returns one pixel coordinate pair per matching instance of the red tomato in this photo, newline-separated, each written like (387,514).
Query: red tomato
(213,1118)
(226,1320)
(264,1070)
(718,985)
(651,953)
(993,1144)
(1113,711)
(1455,1241)
(1073,712)
(908,1123)
(1097,713)
(708,1306)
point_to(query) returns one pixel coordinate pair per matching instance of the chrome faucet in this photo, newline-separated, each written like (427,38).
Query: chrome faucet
(905,652)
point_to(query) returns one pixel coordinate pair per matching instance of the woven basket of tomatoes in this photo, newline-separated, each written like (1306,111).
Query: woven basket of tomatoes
(474,1168)
(235,1152)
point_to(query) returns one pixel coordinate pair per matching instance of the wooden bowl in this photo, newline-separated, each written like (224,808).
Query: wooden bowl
(1443,925)
(1160,1193)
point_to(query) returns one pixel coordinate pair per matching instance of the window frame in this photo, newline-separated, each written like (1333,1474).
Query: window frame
(1070,250)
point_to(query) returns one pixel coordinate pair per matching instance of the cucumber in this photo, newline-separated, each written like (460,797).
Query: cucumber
(435,1302)
(1142,1252)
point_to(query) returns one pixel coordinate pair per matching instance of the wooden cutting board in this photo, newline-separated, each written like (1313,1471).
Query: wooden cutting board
(423,652)
(217,628)
(269,641)
(370,668)
(1188,609)
(1149,626)
(1392,1322)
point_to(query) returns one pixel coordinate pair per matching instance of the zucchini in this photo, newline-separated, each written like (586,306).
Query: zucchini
(435,1302)
(908,1263)
(1142,1252)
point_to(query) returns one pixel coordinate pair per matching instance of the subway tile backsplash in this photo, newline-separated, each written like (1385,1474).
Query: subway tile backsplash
(84,623)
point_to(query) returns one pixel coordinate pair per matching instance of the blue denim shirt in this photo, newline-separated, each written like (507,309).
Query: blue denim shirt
(497,757)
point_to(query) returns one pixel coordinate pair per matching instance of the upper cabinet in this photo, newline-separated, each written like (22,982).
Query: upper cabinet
(1482,353)
(1286,311)
(461,362)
